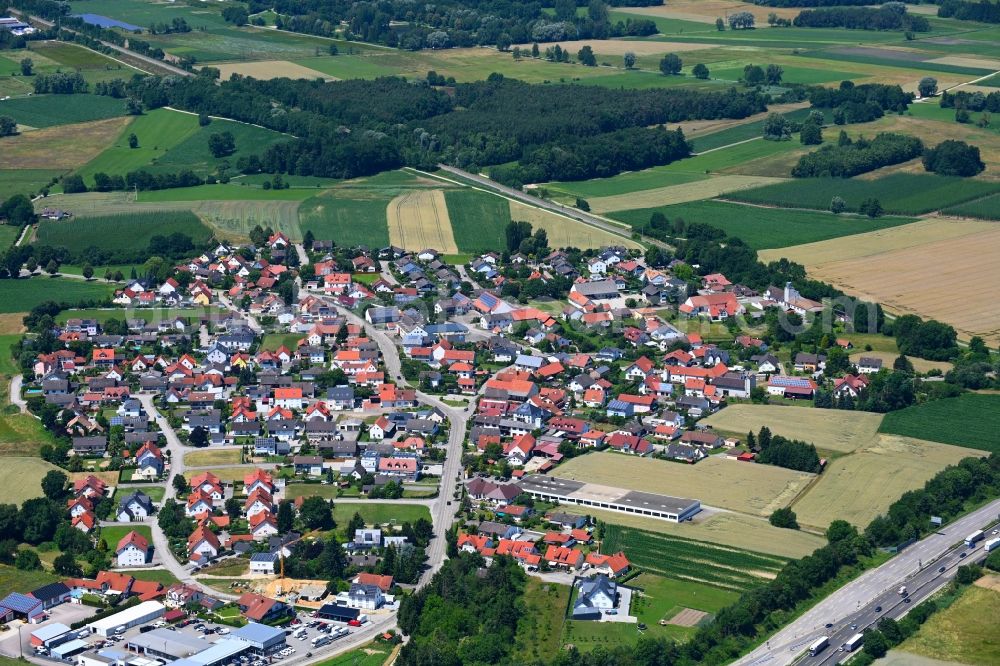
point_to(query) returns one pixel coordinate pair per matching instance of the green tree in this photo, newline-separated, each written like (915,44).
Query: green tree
(27,67)
(52,267)
(700,71)
(180,484)
(875,644)
(720,25)
(784,518)
(54,485)
(65,565)
(17,210)
(198,437)
(8,126)
(27,560)
(837,205)
(316,513)
(534,50)
(753,75)
(286,517)
(222,144)
(133,141)
(353,525)
(88,271)
(671,64)
(777,127)
(133,107)
(586,56)
(582,204)
(629,59)
(811,134)
(927,86)
(871,207)
(773,74)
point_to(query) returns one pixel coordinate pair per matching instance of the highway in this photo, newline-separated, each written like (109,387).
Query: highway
(917,567)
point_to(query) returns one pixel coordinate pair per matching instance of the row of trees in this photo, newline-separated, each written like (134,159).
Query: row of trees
(850,158)
(783,452)
(139,179)
(61,83)
(970,10)
(889,16)
(971,101)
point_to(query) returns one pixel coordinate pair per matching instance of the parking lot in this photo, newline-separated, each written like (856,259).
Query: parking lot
(65,613)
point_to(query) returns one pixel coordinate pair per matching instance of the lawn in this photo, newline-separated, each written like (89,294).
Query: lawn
(210,457)
(22,477)
(23,294)
(752,489)
(791,74)
(971,420)
(121,232)
(663,597)
(372,654)
(112,534)
(763,228)
(380,514)
(906,194)
(15,580)
(540,628)
(687,560)
(965,632)
(50,110)
(158,575)
(274,340)
(232,567)
(8,234)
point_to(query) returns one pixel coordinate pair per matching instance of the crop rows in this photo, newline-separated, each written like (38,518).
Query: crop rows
(987,208)
(686,559)
(907,194)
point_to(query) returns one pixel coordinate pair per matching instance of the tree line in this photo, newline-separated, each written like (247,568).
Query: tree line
(454,23)
(890,16)
(780,451)
(850,158)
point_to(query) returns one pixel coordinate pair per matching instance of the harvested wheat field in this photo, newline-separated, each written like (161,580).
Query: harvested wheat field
(916,268)
(716,481)
(829,429)
(564,232)
(270,69)
(706,11)
(236,218)
(419,220)
(687,617)
(694,128)
(617,47)
(964,61)
(859,486)
(60,147)
(675,194)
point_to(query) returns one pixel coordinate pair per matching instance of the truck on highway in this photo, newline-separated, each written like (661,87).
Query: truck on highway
(992,545)
(818,645)
(973,538)
(853,642)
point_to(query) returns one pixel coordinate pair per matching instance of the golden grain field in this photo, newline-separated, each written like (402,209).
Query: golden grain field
(675,194)
(270,69)
(833,430)
(564,232)
(419,220)
(60,147)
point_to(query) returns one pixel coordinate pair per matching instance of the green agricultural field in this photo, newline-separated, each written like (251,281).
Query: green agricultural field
(801,75)
(684,559)
(158,131)
(146,13)
(229,43)
(22,295)
(971,420)
(478,219)
(123,231)
(193,152)
(763,228)
(987,208)
(113,534)
(905,194)
(21,478)
(380,514)
(633,181)
(25,181)
(346,221)
(51,110)
(8,234)
(737,133)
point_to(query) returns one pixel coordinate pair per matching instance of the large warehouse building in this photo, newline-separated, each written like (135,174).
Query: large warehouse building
(568,491)
(186,650)
(142,613)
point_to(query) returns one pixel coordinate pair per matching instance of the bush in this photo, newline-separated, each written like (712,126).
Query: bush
(837,205)
(785,518)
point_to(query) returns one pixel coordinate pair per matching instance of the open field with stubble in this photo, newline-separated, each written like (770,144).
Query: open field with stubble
(419,220)
(675,194)
(753,489)
(891,266)
(829,429)
(270,69)
(61,147)
(859,486)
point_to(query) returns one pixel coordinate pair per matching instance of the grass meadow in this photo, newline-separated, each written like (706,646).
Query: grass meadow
(121,232)
(24,294)
(52,110)
(21,478)
(964,632)
(905,194)
(114,533)
(763,228)
(379,514)
(971,420)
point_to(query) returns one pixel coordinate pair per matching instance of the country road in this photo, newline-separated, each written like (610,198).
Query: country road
(15,393)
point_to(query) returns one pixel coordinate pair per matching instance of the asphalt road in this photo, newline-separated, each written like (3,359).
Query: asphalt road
(916,567)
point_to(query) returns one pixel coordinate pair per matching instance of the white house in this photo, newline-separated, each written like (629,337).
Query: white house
(132,550)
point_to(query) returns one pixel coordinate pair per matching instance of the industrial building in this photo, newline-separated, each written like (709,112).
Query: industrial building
(338,613)
(568,491)
(186,650)
(142,613)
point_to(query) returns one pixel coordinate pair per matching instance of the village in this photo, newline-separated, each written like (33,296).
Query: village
(261,391)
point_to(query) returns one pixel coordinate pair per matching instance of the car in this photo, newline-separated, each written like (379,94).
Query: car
(829,624)
(906,600)
(878,609)
(641,626)
(854,626)
(940,569)
(962,556)
(222,631)
(995,532)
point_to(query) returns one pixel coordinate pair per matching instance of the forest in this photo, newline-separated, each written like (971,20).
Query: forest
(965,10)
(971,101)
(850,158)
(890,16)
(356,128)
(456,23)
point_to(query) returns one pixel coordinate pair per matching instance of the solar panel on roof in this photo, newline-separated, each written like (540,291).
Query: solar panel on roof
(19,603)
